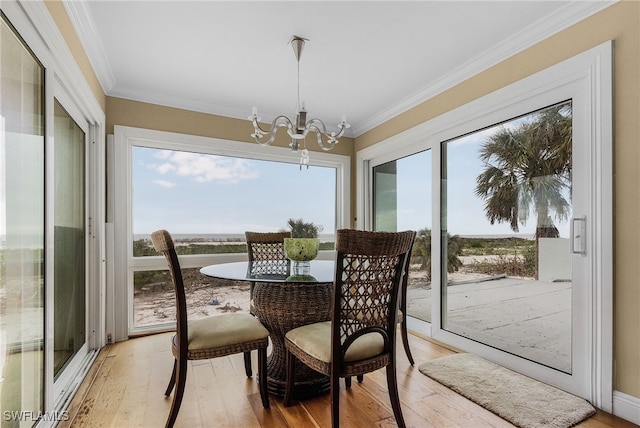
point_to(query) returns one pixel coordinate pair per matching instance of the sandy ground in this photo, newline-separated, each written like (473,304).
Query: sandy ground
(204,298)
(209,296)
(510,309)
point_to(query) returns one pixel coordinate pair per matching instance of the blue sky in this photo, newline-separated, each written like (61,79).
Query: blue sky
(190,193)
(194,193)
(465,210)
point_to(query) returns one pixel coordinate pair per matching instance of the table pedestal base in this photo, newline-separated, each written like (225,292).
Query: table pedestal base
(282,307)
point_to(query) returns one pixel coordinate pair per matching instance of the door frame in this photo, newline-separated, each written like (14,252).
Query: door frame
(592,72)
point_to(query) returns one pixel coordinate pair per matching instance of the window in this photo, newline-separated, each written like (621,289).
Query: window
(207,193)
(208,201)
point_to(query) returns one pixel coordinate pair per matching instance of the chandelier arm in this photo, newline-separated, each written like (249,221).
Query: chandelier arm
(278,122)
(319,126)
(320,129)
(328,146)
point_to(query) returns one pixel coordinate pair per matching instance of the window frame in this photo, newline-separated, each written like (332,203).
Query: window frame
(125,138)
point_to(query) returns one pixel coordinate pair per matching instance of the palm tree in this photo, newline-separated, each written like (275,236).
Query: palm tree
(529,167)
(422,251)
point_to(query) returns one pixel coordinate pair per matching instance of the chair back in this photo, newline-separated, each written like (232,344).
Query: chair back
(266,252)
(266,246)
(370,270)
(163,243)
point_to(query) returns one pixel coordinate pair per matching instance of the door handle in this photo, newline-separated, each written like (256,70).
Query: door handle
(579,235)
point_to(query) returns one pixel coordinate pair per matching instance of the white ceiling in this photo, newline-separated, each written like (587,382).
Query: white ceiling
(369,60)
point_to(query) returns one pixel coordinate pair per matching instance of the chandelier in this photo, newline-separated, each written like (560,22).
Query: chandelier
(299,128)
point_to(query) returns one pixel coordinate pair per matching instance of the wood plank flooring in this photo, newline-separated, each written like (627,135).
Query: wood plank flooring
(125,388)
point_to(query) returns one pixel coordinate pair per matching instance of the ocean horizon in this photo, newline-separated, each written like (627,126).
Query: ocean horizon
(218,237)
(239,237)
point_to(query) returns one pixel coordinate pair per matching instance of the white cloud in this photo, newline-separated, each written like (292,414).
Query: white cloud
(205,168)
(163,168)
(163,183)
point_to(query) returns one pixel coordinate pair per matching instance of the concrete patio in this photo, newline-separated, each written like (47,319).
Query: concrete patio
(528,318)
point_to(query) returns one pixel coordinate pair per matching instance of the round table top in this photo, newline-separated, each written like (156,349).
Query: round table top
(320,271)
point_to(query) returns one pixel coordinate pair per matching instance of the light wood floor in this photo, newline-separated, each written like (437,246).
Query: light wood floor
(125,388)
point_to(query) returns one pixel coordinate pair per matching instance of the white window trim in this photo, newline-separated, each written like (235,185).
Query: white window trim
(125,264)
(593,69)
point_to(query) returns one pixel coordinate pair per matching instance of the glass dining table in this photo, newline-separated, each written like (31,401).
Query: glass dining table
(284,299)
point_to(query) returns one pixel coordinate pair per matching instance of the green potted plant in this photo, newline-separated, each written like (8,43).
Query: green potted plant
(303,245)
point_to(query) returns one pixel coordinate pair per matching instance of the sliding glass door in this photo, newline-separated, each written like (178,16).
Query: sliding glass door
(506,211)
(46,256)
(402,201)
(69,239)
(22,234)
(520,234)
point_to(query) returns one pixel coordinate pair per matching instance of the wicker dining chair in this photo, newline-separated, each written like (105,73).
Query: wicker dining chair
(206,338)
(361,336)
(266,255)
(401,319)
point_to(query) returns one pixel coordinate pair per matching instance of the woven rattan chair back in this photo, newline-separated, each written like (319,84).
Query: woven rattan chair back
(369,273)
(266,253)
(369,276)
(266,246)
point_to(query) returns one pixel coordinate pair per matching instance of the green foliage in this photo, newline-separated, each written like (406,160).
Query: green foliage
(422,251)
(144,247)
(495,246)
(520,266)
(526,167)
(327,246)
(211,249)
(515,256)
(160,280)
(144,279)
(301,229)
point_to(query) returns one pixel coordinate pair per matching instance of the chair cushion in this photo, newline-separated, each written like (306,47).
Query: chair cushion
(224,330)
(315,340)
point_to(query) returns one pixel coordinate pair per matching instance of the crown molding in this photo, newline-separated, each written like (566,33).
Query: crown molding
(180,103)
(542,29)
(85,27)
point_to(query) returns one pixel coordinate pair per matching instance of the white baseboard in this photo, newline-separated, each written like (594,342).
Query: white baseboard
(626,407)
